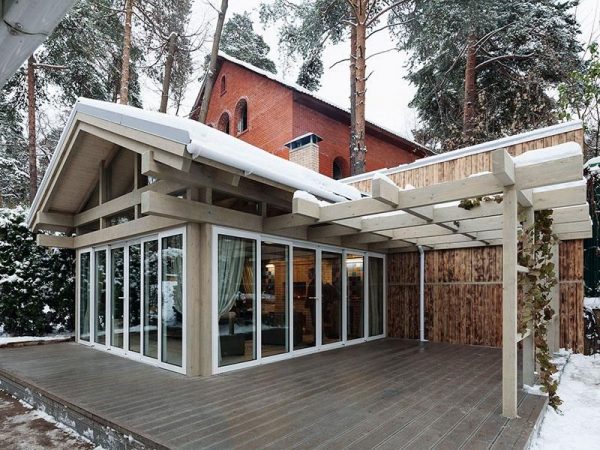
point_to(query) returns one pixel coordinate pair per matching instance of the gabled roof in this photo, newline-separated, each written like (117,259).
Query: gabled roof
(303,95)
(177,139)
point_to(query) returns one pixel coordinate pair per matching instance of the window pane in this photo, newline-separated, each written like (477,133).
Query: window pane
(100,297)
(236,299)
(331,273)
(135,312)
(84,297)
(305,298)
(172,299)
(375,296)
(275,283)
(117,264)
(151,299)
(354,266)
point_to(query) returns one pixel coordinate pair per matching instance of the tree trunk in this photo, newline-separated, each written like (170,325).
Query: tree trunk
(470,100)
(125,60)
(359,151)
(352,95)
(32,147)
(164,99)
(212,68)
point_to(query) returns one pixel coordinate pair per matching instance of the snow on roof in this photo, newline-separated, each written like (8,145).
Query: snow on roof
(474,149)
(206,142)
(305,91)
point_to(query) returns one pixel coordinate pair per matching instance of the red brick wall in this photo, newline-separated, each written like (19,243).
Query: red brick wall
(274,119)
(269,108)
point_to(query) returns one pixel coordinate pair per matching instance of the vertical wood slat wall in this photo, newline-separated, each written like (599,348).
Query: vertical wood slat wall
(463,287)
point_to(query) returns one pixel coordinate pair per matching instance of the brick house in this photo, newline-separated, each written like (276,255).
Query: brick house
(289,121)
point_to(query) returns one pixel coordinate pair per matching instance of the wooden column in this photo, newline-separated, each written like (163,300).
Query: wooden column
(509,303)
(206,310)
(528,354)
(102,190)
(193,299)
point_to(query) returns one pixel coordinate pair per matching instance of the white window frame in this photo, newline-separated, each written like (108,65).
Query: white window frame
(319,248)
(125,352)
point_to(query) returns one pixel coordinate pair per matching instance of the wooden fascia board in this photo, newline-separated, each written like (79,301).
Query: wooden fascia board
(50,240)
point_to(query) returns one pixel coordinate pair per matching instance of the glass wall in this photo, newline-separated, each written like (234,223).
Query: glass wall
(150,314)
(135,306)
(356,297)
(117,295)
(331,293)
(376,303)
(305,297)
(137,298)
(100,297)
(274,298)
(236,299)
(84,296)
(172,299)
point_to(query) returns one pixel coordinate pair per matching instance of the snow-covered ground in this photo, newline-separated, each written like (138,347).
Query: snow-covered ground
(592,302)
(5,340)
(22,427)
(577,425)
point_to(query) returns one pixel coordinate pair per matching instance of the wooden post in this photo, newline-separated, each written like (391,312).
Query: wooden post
(102,191)
(509,303)
(528,354)
(193,297)
(205,298)
(554,324)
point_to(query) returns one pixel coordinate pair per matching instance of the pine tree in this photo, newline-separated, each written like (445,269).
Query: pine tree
(242,42)
(484,69)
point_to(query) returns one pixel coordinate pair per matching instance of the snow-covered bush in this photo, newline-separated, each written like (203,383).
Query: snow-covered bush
(37,284)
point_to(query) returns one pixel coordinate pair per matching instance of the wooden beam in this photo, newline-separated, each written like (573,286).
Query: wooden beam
(554,171)
(572,227)
(575,236)
(50,240)
(503,167)
(53,221)
(509,303)
(178,208)
(569,214)
(384,190)
(560,195)
(209,177)
(525,198)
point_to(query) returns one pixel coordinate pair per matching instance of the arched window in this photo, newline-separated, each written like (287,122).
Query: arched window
(223,124)
(339,168)
(241,116)
(223,85)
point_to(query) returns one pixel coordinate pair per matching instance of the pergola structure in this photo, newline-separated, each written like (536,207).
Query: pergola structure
(404,219)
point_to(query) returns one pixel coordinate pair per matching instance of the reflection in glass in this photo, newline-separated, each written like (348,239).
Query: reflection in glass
(305,298)
(275,282)
(355,309)
(375,296)
(100,297)
(135,312)
(331,306)
(84,297)
(117,272)
(151,299)
(172,299)
(236,299)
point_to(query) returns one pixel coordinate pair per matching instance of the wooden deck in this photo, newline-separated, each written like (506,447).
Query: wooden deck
(388,394)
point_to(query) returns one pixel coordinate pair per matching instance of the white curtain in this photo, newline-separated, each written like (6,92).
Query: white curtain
(231,268)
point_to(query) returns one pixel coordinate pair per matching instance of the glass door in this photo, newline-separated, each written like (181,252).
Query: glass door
(376,293)
(331,297)
(304,298)
(274,298)
(85,305)
(117,296)
(150,295)
(356,296)
(100,305)
(134,276)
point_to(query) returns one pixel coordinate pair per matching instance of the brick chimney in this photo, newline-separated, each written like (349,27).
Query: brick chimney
(304,150)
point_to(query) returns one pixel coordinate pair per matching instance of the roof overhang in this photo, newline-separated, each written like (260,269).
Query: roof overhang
(25,25)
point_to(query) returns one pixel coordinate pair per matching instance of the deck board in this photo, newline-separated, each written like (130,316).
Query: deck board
(386,394)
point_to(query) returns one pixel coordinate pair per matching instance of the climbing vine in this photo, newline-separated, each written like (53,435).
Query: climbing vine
(470,203)
(537,242)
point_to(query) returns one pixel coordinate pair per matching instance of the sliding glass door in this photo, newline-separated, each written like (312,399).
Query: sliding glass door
(274,298)
(117,296)
(376,293)
(134,297)
(84,295)
(331,297)
(356,296)
(172,299)
(100,297)
(305,297)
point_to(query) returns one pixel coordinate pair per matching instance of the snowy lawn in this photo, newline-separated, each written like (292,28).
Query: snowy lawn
(22,427)
(577,425)
(9,340)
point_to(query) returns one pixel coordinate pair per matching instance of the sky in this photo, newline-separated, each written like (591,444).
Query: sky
(388,93)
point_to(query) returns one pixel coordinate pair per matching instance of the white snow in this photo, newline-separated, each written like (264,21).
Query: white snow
(383,177)
(547,154)
(479,174)
(592,302)
(5,340)
(577,425)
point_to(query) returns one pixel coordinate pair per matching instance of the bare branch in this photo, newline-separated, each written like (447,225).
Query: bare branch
(502,58)
(383,11)
(381,52)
